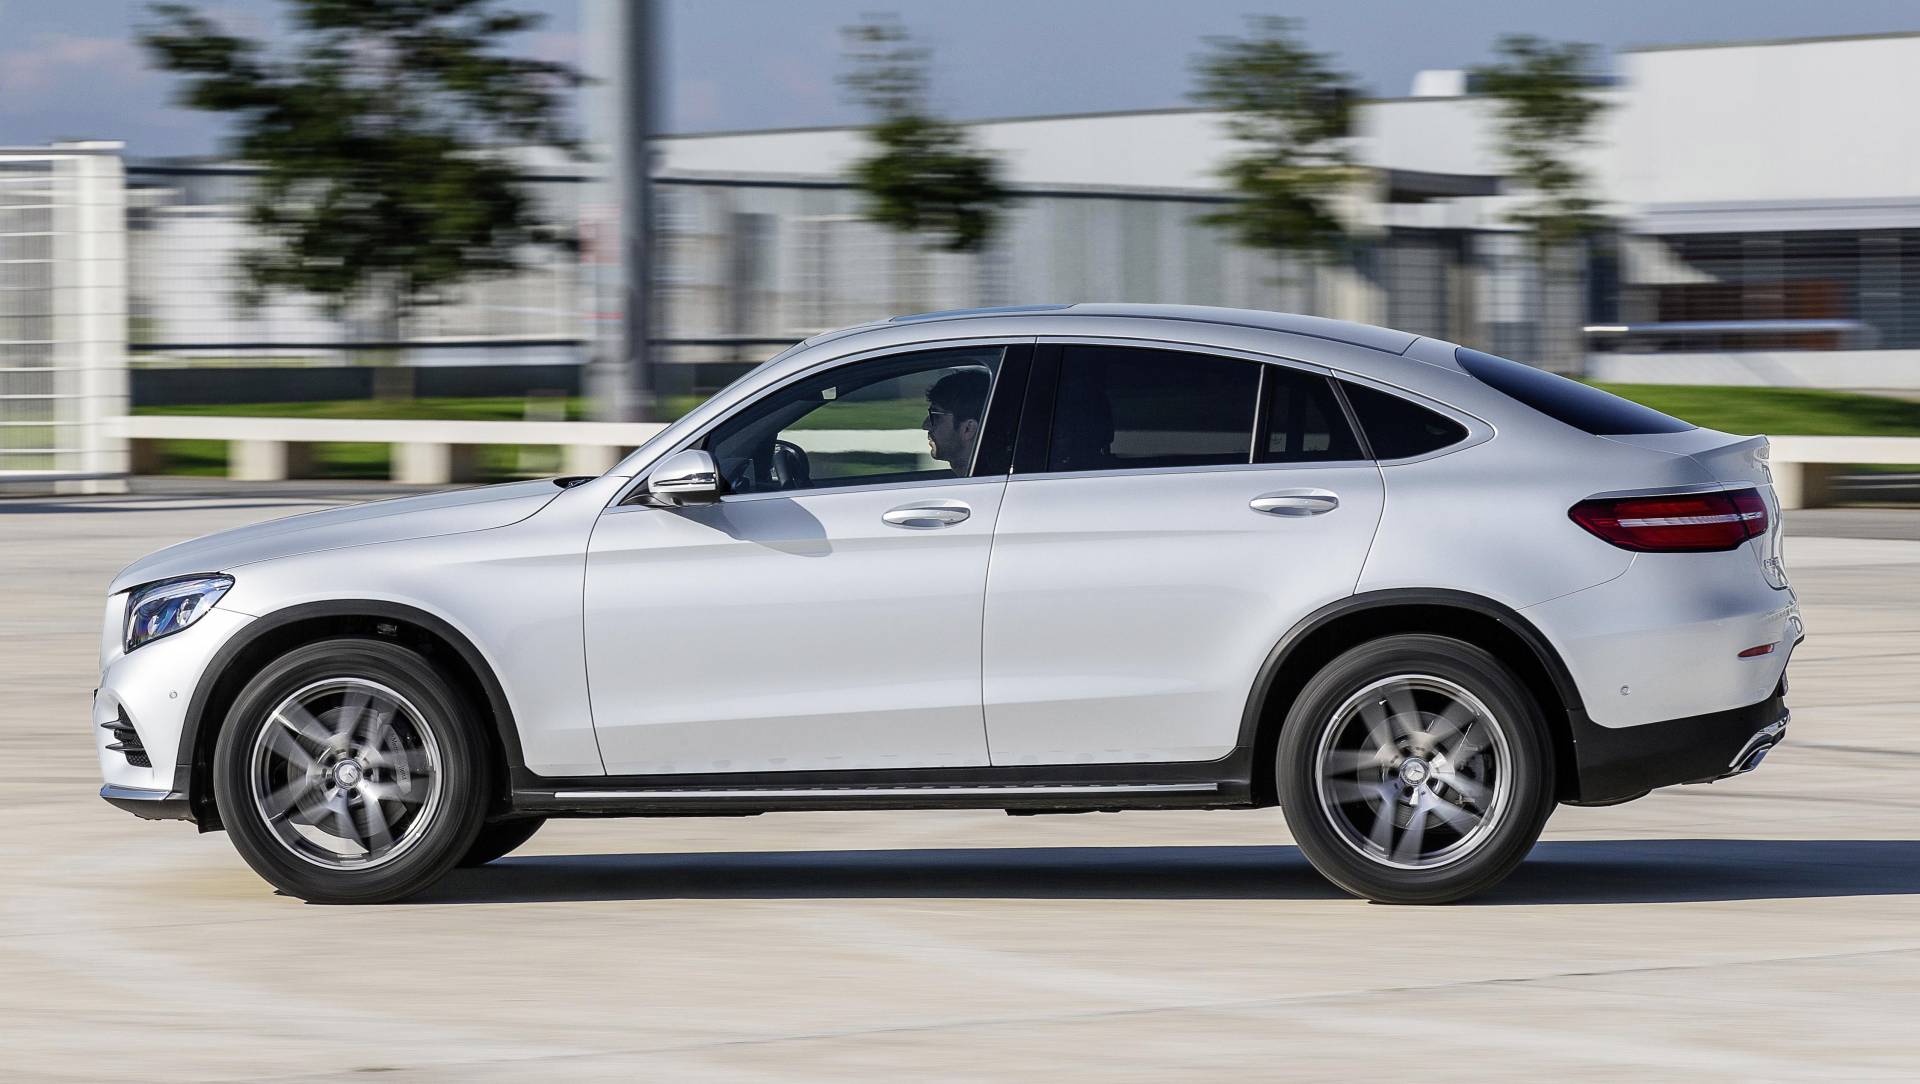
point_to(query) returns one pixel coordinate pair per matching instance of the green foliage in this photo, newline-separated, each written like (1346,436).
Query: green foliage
(926,175)
(1779,411)
(378,133)
(1294,111)
(1547,112)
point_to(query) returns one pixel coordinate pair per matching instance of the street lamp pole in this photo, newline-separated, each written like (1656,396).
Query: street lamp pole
(624,38)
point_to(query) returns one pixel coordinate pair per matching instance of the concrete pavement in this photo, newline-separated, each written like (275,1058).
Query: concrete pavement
(1761,928)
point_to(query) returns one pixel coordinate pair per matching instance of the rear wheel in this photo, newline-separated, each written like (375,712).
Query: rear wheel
(1415,769)
(347,772)
(499,839)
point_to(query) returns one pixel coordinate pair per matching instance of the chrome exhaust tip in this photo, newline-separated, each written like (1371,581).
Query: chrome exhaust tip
(1758,746)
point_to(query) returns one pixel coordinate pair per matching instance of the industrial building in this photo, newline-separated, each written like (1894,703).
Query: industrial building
(1764,200)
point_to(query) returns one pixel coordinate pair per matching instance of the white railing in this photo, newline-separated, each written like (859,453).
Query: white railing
(433,452)
(1804,467)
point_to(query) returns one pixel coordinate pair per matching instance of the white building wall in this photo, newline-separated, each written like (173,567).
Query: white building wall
(1811,120)
(1173,149)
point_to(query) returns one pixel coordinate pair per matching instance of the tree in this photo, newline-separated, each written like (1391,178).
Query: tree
(381,134)
(1547,112)
(926,175)
(1293,110)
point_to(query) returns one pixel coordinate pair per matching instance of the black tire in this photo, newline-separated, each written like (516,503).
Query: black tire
(1339,823)
(448,815)
(499,839)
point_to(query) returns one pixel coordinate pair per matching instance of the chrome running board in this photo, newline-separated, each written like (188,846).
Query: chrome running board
(983,791)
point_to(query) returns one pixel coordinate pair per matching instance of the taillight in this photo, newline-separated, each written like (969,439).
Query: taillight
(1685,523)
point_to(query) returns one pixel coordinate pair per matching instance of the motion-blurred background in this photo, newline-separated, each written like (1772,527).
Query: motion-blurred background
(466,211)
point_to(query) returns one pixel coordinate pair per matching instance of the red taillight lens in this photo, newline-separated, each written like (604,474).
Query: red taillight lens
(1688,523)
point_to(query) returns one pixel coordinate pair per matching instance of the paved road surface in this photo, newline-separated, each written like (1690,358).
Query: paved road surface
(1767,927)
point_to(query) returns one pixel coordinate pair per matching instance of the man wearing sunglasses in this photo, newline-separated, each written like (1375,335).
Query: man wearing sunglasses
(954,405)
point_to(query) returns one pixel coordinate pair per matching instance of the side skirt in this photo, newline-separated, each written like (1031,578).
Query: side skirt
(1076,788)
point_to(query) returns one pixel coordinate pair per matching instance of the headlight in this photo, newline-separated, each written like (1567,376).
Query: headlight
(161,609)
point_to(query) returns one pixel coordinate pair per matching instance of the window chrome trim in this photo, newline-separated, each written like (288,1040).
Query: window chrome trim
(872,487)
(1218,468)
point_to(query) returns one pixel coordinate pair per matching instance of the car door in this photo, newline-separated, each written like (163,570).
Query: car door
(1172,513)
(824,613)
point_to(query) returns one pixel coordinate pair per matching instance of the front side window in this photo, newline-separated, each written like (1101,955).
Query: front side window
(1124,408)
(902,418)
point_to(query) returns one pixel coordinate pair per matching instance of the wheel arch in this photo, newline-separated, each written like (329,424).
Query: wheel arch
(274,634)
(1322,635)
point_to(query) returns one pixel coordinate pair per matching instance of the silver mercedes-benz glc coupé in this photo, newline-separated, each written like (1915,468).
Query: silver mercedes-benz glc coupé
(1048,560)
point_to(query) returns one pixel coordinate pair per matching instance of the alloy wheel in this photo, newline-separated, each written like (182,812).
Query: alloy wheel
(1413,772)
(346,774)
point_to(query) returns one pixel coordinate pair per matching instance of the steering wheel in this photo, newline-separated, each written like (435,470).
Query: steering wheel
(788,467)
(778,465)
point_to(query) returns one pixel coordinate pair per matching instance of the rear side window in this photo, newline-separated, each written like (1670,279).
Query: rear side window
(1398,429)
(1121,408)
(1303,422)
(1583,407)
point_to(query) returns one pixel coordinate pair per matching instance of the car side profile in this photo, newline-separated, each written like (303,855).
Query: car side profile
(1049,559)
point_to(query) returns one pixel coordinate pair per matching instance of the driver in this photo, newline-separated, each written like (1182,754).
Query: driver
(954,405)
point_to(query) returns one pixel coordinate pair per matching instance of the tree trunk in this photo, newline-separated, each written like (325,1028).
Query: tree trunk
(392,375)
(1563,310)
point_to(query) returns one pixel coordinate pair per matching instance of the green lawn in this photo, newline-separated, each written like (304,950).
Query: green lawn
(1779,411)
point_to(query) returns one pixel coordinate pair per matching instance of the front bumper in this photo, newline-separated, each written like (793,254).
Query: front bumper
(1615,764)
(144,695)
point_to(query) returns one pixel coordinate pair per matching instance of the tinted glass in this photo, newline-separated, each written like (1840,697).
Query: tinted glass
(1581,406)
(1119,408)
(1396,428)
(1304,422)
(897,419)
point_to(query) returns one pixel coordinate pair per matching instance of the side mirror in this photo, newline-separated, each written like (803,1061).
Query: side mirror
(686,477)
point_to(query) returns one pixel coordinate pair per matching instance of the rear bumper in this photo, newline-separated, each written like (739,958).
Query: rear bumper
(1614,764)
(152,805)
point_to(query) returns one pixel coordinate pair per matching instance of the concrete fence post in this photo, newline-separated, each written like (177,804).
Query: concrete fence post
(433,464)
(268,460)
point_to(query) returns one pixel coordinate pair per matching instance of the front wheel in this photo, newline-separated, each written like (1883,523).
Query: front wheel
(347,771)
(1415,769)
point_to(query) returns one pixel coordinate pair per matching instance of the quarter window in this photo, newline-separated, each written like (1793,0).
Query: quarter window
(1398,429)
(904,418)
(1120,408)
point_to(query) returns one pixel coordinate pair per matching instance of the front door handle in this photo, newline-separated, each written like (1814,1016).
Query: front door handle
(927,515)
(1295,502)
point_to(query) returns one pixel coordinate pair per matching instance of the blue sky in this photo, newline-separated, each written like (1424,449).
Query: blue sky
(69,68)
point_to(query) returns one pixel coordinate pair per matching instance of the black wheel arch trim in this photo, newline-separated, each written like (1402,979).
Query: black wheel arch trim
(1506,616)
(374,609)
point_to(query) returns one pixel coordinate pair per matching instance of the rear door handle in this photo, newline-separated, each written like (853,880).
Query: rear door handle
(1295,502)
(927,515)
